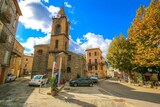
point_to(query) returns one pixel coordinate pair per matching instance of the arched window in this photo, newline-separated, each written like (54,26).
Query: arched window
(68,70)
(58,30)
(40,51)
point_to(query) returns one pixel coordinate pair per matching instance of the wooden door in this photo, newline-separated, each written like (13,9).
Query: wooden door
(2,75)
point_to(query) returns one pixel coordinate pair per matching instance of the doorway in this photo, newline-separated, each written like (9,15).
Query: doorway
(2,75)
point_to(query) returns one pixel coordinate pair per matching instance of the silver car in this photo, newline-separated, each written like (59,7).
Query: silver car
(38,80)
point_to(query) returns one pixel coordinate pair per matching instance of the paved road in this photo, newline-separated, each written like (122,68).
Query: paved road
(123,91)
(15,93)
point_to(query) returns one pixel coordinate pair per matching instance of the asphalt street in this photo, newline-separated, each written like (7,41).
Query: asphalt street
(119,90)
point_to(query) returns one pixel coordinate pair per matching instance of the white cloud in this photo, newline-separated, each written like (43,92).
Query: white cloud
(47,1)
(36,15)
(67,5)
(90,40)
(32,41)
(72,10)
(74,22)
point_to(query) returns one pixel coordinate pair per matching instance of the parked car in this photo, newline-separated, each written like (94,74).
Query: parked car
(94,78)
(108,77)
(10,78)
(38,80)
(81,82)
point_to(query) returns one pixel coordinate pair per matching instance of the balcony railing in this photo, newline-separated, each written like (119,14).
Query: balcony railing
(17,52)
(101,63)
(3,37)
(94,63)
(6,16)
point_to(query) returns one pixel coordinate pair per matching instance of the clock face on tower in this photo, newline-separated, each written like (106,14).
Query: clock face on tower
(58,16)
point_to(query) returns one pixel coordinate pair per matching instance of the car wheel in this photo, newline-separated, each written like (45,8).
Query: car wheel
(90,84)
(75,84)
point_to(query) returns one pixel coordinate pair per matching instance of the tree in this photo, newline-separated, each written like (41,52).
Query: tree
(144,37)
(119,54)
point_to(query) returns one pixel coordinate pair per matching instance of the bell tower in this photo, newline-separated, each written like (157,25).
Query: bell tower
(60,32)
(59,40)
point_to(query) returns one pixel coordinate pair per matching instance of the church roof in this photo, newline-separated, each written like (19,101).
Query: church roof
(62,12)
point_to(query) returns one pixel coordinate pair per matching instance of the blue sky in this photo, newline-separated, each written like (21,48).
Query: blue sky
(94,23)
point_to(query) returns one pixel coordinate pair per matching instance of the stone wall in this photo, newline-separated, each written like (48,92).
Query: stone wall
(8,30)
(76,64)
(27,62)
(40,59)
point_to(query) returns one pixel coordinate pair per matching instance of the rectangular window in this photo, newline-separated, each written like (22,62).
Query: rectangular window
(96,61)
(96,67)
(95,53)
(89,67)
(89,54)
(66,46)
(14,60)
(10,39)
(69,57)
(1,27)
(20,62)
(89,61)
(56,44)
(6,57)
(26,59)
(101,67)
(4,6)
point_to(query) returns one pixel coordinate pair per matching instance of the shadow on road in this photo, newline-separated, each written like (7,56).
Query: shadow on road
(123,91)
(15,93)
(71,99)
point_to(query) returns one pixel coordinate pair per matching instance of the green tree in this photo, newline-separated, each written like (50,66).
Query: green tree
(119,54)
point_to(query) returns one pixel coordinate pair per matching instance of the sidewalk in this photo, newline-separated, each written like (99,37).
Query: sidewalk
(91,97)
(136,86)
(73,97)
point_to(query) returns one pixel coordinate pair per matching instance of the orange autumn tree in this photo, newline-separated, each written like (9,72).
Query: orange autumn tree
(144,37)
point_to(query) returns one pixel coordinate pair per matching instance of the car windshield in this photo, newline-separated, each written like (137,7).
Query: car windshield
(94,76)
(37,77)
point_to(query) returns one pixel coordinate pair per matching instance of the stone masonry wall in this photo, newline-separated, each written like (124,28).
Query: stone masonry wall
(40,59)
(77,66)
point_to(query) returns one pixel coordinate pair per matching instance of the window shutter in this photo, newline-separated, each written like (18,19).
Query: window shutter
(6,57)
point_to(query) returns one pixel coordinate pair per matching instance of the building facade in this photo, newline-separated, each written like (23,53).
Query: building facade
(95,63)
(27,62)
(75,66)
(46,54)
(9,15)
(16,59)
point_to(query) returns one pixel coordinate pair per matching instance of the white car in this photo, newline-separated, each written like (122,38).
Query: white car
(38,80)
(10,78)
(94,78)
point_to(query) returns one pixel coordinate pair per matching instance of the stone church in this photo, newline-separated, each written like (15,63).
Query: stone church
(72,64)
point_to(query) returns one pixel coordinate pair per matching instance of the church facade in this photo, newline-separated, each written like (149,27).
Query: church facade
(71,65)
